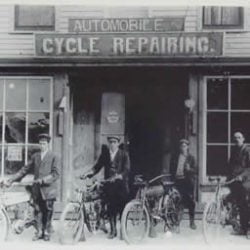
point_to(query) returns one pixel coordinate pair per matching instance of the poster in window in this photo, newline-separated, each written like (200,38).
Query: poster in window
(14,153)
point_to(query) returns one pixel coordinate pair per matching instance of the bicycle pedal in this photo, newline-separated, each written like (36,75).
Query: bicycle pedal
(156,217)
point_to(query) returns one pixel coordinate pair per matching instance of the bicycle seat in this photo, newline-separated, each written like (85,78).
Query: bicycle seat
(168,183)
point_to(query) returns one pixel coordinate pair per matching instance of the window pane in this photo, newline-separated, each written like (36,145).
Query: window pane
(15,94)
(39,94)
(1,94)
(15,127)
(29,17)
(14,158)
(38,123)
(217,127)
(231,16)
(241,122)
(240,93)
(216,15)
(217,160)
(217,93)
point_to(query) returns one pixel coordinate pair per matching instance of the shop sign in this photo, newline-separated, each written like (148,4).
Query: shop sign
(113,117)
(107,25)
(129,45)
(14,153)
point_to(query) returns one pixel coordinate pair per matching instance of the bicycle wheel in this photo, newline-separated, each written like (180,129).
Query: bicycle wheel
(71,224)
(4,225)
(135,222)
(212,223)
(172,214)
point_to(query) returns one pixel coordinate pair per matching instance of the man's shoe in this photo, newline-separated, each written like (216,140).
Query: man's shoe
(192,225)
(46,237)
(37,237)
(112,235)
(248,234)
(103,228)
(152,232)
(239,232)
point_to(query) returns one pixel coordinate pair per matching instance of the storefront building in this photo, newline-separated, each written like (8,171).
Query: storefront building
(152,75)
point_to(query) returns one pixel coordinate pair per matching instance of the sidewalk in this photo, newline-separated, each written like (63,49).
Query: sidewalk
(187,237)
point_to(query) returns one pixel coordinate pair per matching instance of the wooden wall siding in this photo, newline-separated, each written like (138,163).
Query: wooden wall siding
(236,43)
(63,13)
(189,13)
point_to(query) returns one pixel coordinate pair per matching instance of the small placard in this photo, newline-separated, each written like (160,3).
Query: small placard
(14,153)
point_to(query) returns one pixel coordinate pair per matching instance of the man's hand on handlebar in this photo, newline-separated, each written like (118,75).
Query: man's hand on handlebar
(239,178)
(6,183)
(87,175)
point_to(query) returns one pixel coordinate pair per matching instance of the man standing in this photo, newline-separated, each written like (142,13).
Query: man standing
(46,167)
(183,170)
(239,168)
(116,164)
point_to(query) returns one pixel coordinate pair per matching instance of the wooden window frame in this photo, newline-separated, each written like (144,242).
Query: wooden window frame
(26,144)
(205,110)
(223,26)
(19,28)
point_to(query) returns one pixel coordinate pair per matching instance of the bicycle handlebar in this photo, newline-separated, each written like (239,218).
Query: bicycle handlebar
(218,179)
(159,177)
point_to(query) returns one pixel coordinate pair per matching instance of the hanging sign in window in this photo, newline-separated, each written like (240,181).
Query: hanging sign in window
(14,153)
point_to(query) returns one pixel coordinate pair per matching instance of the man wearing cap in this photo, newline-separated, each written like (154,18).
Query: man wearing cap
(183,170)
(46,166)
(239,168)
(116,164)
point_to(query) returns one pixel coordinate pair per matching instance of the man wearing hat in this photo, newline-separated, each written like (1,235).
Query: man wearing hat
(46,166)
(183,170)
(116,164)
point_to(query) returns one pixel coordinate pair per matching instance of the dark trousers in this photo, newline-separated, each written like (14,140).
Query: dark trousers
(186,190)
(239,194)
(43,214)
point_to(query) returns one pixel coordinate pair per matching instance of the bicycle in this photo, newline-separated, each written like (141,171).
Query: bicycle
(219,213)
(138,214)
(83,211)
(9,202)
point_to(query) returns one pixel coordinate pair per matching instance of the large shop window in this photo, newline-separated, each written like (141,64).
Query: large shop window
(227,111)
(215,17)
(34,17)
(25,112)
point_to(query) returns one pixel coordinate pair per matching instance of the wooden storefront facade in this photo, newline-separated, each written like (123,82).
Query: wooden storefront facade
(166,73)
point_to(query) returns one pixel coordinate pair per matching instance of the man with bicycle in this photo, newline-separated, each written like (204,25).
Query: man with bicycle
(239,168)
(116,164)
(46,167)
(183,170)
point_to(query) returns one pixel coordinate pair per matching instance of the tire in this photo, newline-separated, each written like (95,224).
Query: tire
(172,214)
(136,214)
(212,223)
(4,225)
(71,224)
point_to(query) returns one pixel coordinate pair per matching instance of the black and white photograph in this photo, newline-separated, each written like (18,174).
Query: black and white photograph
(124,124)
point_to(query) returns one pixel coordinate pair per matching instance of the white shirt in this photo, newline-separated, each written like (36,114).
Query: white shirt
(112,154)
(180,166)
(43,154)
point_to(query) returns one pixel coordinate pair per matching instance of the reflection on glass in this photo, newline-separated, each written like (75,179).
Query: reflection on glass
(38,123)
(15,127)
(1,94)
(240,94)
(217,93)
(15,94)
(14,158)
(241,122)
(39,94)
(217,160)
(217,127)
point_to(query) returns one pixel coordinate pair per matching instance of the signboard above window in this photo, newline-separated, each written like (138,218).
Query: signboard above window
(34,18)
(218,17)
